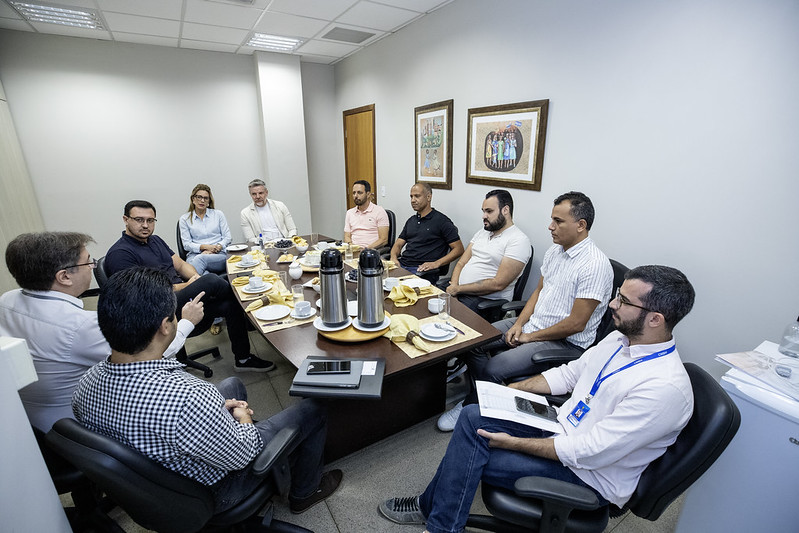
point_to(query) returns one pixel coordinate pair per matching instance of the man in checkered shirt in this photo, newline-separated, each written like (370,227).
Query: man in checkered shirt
(188,425)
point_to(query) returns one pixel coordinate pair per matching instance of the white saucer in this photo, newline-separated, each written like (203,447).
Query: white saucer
(318,324)
(305,263)
(446,338)
(430,330)
(236,247)
(321,246)
(272,312)
(386,323)
(309,315)
(352,307)
(250,290)
(387,289)
(415,282)
(247,265)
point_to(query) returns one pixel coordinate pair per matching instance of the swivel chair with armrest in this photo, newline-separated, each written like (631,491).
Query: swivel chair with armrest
(162,500)
(101,276)
(548,505)
(385,251)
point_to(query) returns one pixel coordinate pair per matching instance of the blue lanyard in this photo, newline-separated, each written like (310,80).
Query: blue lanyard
(600,378)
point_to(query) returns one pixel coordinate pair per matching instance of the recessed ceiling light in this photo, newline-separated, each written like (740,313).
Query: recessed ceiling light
(59,15)
(274,42)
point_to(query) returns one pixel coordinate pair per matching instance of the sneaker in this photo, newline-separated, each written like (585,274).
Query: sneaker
(403,510)
(327,485)
(252,363)
(215,329)
(447,421)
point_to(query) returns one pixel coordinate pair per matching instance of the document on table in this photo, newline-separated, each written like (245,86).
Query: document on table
(761,363)
(499,401)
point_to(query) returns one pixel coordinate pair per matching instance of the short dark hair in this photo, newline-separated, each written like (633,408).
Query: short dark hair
(425,187)
(366,185)
(132,305)
(581,207)
(35,258)
(503,198)
(672,295)
(143,204)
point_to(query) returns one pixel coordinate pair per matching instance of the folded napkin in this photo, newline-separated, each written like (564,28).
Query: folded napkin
(388,264)
(234,258)
(240,281)
(268,275)
(405,328)
(403,296)
(278,298)
(256,304)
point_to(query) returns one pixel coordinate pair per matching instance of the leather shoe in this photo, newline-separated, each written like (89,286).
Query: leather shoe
(327,486)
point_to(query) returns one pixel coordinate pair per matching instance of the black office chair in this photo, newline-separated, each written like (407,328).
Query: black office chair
(181,250)
(493,310)
(385,251)
(162,500)
(548,505)
(101,275)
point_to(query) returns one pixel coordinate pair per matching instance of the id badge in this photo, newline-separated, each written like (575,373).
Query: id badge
(578,413)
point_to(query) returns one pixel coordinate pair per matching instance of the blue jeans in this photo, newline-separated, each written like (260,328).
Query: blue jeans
(430,275)
(469,459)
(203,263)
(305,461)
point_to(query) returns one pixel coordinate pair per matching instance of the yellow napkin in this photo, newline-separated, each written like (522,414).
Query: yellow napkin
(268,275)
(256,304)
(403,296)
(234,258)
(280,298)
(405,328)
(240,281)
(388,264)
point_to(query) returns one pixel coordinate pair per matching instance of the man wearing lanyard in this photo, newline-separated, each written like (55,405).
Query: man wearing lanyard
(631,397)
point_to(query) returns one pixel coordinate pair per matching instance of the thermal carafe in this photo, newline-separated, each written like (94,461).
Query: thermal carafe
(331,279)
(370,288)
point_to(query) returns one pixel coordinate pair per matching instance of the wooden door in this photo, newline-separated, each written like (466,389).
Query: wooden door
(359,149)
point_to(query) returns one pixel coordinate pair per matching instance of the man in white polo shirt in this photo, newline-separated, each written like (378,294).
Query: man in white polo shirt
(265,216)
(366,224)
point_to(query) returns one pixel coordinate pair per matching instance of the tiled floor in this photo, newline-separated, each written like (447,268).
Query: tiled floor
(380,471)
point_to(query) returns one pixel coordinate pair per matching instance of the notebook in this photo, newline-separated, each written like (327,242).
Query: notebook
(351,380)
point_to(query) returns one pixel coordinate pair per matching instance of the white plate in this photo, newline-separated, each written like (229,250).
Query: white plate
(272,312)
(352,307)
(430,330)
(305,263)
(318,324)
(386,323)
(247,265)
(449,337)
(322,246)
(415,282)
(251,290)
(319,303)
(237,247)
(309,315)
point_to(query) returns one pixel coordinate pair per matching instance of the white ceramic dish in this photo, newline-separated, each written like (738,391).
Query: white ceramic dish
(430,330)
(309,315)
(357,325)
(318,324)
(256,290)
(447,337)
(237,247)
(352,307)
(415,282)
(272,312)
(248,265)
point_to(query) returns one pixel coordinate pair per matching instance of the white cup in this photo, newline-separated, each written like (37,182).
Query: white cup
(302,309)
(256,281)
(248,258)
(434,305)
(390,283)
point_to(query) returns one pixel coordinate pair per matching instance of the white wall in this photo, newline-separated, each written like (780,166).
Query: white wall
(679,119)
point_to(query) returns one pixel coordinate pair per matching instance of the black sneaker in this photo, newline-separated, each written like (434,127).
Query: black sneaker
(327,486)
(252,363)
(403,510)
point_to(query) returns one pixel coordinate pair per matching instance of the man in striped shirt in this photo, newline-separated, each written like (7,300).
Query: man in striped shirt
(563,311)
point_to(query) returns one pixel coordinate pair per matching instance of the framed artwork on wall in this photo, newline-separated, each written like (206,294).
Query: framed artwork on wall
(433,134)
(505,145)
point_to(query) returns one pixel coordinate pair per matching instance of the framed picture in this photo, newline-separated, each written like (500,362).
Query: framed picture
(505,146)
(433,133)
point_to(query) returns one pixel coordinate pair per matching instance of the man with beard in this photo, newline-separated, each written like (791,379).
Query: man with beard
(265,217)
(366,224)
(563,311)
(495,257)
(631,397)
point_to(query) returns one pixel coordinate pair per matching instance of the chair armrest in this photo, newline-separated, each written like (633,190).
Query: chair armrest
(491,304)
(556,356)
(514,306)
(558,492)
(557,399)
(277,449)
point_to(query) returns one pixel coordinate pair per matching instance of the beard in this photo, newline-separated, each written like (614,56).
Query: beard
(631,328)
(496,225)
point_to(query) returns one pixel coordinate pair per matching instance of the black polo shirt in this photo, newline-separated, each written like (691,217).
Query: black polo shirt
(427,238)
(128,252)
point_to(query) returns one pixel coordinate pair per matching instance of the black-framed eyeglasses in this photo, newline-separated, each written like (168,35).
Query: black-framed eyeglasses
(92,263)
(202,198)
(624,301)
(142,220)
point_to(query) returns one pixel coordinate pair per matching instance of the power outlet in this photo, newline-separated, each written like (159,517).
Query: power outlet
(383,191)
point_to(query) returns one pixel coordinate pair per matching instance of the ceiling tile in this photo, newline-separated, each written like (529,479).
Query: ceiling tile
(143,25)
(216,34)
(235,16)
(320,9)
(7,12)
(370,15)
(58,29)
(324,60)
(15,24)
(377,33)
(325,48)
(123,37)
(289,25)
(165,9)
(204,45)
(422,6)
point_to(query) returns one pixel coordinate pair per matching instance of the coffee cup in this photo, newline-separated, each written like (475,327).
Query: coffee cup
(248,258)
(256,282)
(302,309)
(434,305)
(390,283)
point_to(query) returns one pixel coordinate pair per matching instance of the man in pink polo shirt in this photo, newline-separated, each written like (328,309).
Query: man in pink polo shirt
(366,224)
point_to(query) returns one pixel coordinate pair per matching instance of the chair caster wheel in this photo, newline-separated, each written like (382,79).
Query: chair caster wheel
(208,373)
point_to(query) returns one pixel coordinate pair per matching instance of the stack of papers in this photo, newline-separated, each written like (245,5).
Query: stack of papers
(499,401)
(759,364)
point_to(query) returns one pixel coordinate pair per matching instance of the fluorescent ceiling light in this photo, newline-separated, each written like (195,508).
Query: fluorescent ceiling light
(59,15)
(273,42)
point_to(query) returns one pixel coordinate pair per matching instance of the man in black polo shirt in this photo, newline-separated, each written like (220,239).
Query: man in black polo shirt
(430,238)
(139,247)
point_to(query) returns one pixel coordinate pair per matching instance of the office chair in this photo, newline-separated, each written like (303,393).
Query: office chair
(385,251)
(548,505)
(101,276)
(162,500)
(493,310)
(181,250)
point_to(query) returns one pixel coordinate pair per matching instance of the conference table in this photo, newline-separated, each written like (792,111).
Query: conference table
(414,389)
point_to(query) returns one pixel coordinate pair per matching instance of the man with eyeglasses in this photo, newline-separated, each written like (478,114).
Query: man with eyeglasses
(138,246)
(630,398)
(64,339)
(563,311)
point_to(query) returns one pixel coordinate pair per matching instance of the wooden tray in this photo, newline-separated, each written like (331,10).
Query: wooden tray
(350,334)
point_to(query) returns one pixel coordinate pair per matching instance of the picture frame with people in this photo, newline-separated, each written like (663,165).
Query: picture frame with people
(433,144)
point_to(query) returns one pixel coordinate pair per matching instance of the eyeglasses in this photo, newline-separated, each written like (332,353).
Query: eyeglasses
(624,301)
(142,220)
(202,198)
(92,263)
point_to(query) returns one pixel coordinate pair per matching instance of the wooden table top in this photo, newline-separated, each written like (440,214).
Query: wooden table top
(298,342)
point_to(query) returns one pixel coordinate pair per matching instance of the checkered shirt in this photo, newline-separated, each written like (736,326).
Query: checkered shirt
(176,419)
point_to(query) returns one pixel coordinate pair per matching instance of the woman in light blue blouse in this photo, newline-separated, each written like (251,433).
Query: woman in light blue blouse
(204,232)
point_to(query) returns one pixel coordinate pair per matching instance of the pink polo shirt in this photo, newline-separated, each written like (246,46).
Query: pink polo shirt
(362,225)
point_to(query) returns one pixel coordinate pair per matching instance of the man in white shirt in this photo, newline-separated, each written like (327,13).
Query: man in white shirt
(494,258)
(631,397)
(366,224)
(563,311)
(54,269)
(268,218)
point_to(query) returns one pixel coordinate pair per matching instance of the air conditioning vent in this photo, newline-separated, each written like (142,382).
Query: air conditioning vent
(347,36)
